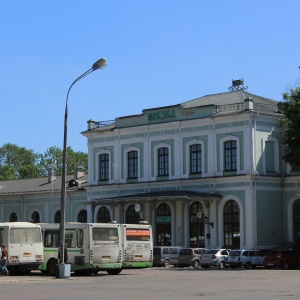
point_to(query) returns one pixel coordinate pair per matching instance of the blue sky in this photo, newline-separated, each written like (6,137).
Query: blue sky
(159,53)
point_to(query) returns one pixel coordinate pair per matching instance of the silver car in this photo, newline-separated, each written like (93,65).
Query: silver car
(214,258)
(247,259)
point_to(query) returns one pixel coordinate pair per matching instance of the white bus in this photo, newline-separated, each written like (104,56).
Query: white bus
(91,247)
(137,250)
(24,244)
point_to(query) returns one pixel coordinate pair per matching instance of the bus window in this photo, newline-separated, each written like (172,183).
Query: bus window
(105,234)
(33,235)
(71,238)
(51,238)
(80,238)
(25,235)
(137,234)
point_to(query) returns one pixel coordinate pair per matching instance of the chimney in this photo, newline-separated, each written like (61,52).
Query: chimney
(91,124)
(51,177)
(79,172)
(248,103)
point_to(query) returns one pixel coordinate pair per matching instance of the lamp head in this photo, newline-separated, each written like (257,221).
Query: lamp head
(99,64)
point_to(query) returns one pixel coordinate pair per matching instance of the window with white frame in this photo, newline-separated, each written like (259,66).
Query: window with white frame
(196,159)
(132,167)
(163,161)
(104,167)
(230,155)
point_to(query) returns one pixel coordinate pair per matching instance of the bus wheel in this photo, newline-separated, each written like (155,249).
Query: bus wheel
(52,266)
(114,271)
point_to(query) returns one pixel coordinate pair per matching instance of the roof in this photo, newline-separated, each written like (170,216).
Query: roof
(172,195)
(226,99)
(39,185)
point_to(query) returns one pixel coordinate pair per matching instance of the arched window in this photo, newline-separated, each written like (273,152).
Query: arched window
(35,217)
(103,215)
(231,225)
(132,217)
(82,216)
(13,217)
(197,239)
(296,220)
(163,224)
(57,217)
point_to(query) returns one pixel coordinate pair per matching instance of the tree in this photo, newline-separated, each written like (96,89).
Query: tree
(54,157)
(291,125)
(20,163)
(16,162)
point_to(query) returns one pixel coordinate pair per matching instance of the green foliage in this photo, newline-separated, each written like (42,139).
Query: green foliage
(20,163)
(291,124)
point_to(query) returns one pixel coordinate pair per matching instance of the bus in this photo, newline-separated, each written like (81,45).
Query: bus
(23,241)
(90,247)
(137,249)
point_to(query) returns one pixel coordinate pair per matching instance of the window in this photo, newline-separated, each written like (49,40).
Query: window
(51,239)
(104,234)
(35,217)
(230,156)
(195,159)
(163,161)
(57,217)
(104,215)
(104,167)
(163,225)
(24,235)
(82,216)
(132,159)
(197,238)
(296,221)
(13,217)
(132,217)
(232,225)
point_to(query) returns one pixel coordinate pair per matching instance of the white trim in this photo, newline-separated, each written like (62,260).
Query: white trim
(188,157)
(221,219)
(125,161)
(155,158)
(276,153)
(238,149)
(103,151)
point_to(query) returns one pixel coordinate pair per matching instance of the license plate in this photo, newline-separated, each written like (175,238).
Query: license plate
(270,264)
(138,256)
(105,257)
(26,254)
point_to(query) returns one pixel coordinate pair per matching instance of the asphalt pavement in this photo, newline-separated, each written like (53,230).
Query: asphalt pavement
(158,283)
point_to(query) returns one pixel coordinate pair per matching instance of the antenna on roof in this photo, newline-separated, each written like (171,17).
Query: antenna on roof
(237,85)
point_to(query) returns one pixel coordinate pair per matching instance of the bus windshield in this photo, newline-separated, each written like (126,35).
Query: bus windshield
(25,235)
(137,234)
(105,234)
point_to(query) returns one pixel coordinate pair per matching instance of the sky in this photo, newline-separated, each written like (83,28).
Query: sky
(158,52)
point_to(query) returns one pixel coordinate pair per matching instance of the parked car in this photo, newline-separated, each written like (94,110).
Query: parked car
(165,256)
(245,258)
(215,258)
(284,259)
(190,257)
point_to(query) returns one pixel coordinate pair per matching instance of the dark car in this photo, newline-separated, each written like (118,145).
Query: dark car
(190,257)
(284,259)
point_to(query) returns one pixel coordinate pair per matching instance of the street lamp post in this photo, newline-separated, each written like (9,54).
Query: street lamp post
(64,270)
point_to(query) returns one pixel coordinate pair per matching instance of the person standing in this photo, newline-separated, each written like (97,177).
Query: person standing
(4,255)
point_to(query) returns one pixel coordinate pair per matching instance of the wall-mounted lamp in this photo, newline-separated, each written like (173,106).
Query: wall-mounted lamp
(205,219)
